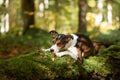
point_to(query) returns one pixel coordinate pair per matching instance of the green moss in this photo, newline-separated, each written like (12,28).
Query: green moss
(33,67)
(41,66)
(97,64)
(113,50)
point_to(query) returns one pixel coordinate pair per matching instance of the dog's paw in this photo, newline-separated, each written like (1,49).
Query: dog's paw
(80,60)
(45,50)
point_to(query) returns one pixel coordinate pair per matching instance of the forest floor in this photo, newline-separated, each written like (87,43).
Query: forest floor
(20,59)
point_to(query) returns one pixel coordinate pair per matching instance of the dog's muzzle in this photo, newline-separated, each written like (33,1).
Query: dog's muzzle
(54,49)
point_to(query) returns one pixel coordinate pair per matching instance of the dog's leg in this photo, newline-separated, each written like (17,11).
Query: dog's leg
(80,56)
(59,54)
(45,50)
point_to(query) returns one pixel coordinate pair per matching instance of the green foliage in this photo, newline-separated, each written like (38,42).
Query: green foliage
(97,64)
(113,50)
(32,37)
(112,36)
(57,12)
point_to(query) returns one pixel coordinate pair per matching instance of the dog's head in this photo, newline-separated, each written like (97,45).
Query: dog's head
(59,41)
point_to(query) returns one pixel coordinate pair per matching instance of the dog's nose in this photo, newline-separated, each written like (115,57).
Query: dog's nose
(51,50)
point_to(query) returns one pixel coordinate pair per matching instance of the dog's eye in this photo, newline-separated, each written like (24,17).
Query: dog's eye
(59,44)
(53,41)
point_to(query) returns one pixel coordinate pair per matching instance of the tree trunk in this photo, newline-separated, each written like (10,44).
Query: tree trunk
(82,15)
(12,13)
(56,14)
(27,14)
(4,26)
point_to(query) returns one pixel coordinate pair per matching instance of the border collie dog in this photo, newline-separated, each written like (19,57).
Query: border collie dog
(78,46)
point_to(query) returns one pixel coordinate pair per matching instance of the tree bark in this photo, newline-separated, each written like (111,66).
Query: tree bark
(27,14)
(82,15)
(56,14)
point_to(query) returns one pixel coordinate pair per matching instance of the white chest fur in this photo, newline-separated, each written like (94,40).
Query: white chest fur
(74,41)
(72,48)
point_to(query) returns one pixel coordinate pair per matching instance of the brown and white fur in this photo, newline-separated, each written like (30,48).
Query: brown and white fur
(78,46)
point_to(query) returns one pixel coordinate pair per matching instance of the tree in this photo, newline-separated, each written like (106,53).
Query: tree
(82,4)
(56,15)
(12,12)
(27,14)
(4,17)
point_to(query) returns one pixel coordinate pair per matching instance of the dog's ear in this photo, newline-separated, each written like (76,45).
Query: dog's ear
(53,33)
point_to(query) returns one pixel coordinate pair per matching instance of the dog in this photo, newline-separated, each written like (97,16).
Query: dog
(78,46)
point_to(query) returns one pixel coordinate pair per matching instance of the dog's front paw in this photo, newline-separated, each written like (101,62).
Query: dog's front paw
(45,50)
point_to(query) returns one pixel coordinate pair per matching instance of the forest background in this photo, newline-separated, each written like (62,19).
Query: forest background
(24,27)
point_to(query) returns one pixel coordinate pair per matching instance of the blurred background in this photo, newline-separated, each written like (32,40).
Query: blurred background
(24,31)
(62,15)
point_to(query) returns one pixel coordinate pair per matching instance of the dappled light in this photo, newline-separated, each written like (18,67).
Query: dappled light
(26,40)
